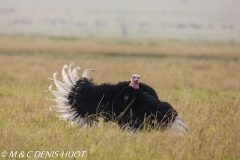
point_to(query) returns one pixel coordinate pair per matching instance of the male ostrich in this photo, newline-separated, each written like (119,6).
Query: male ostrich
(131,104)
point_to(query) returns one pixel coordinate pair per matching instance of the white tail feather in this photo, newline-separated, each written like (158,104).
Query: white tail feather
(70,73)
(62,110)
(60,86)
(65,76)
(86,72)
(67,115)
(54,108)
(58,93)
(75,74)
(63,107)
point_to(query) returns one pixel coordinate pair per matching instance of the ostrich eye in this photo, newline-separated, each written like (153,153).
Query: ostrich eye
(136,77)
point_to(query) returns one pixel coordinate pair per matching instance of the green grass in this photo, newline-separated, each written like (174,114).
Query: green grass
(205,92)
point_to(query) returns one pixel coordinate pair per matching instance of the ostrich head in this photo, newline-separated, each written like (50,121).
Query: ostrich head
(134,81)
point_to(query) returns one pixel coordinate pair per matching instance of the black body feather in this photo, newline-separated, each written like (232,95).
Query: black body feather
(109,100)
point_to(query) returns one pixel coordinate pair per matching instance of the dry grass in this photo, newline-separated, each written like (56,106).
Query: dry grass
(203,87)
(39,44)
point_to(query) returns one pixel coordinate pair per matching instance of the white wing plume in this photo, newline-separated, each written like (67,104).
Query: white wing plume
(180,125)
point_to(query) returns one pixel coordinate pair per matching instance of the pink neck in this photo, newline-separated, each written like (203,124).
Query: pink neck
(134,85)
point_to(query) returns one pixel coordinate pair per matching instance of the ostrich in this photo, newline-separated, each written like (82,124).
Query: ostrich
(131,104)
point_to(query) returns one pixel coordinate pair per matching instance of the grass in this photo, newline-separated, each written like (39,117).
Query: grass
(200,79)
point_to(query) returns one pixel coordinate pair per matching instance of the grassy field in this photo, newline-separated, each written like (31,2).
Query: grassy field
(200,79)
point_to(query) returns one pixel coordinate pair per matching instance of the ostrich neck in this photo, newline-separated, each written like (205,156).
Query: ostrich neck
(134,85)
